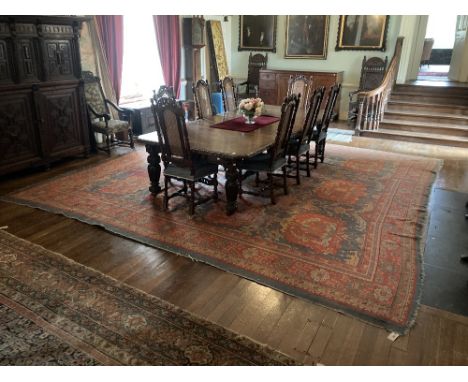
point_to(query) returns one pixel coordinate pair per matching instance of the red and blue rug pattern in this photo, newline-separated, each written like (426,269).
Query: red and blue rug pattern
(349,237)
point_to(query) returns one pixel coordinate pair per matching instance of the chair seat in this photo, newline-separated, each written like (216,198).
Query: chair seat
(113,126)
(201,170)
(293,148)
(261,162)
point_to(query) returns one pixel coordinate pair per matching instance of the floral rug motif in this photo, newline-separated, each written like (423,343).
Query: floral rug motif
(54,311)
(349,237)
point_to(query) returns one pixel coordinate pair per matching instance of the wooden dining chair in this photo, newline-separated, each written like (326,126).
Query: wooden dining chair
(202,95)
(299,85)
(319,135)
(275,158)
(229,94)
(300,144)
(179,162)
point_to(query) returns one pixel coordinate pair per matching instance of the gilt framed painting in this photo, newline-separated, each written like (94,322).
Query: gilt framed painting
(358,32)
(306,36)
(257,32)
(217,49)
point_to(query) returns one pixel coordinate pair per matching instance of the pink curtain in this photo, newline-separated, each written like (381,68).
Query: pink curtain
(110,28)
(168,38)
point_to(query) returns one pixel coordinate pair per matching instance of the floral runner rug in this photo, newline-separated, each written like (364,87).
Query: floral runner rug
(54,311)
(349,237)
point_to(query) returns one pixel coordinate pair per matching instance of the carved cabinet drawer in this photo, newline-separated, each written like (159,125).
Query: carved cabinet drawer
(267,84)
(267,76)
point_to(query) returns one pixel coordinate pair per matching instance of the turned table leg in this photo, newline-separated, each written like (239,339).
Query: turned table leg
(154,168)
(232,187)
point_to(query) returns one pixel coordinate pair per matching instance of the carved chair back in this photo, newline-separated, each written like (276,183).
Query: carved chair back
(372,73)
(202,94)
(164,91)
(229,94)
(256,62)
(312,113)
(285,126)
(299,85)
(94,94)
(328,112)
(172,131)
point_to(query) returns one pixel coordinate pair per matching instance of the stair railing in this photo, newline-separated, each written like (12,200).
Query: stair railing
(372,103)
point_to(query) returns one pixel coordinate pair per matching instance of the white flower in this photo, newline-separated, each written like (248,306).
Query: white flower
(248,106)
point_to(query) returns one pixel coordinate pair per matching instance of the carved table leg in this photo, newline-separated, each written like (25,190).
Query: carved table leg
(154,168)
(232,187)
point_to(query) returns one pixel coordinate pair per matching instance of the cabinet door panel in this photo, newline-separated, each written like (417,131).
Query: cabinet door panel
(59,63)
(27,60)
(18,131)
(283,82)
(5,65)
(61,120)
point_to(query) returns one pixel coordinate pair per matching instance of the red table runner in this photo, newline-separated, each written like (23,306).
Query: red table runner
(238,124)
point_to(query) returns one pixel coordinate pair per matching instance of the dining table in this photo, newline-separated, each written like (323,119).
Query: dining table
(227,147)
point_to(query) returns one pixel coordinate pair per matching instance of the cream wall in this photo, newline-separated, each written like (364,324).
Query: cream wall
(347,61)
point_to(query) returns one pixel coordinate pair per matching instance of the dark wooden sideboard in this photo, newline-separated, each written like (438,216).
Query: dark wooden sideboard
(273,85)
(42,107)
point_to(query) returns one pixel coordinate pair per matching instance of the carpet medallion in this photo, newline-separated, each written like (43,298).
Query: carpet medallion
(54,311)
(348,237)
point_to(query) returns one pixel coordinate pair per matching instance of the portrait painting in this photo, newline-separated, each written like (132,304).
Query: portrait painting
(362,32)
(306,36)
(257,32)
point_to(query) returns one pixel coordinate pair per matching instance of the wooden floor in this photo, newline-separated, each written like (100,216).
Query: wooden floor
(308,332)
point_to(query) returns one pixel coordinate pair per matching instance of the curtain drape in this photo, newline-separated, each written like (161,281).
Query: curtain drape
(168,38)
(111,31)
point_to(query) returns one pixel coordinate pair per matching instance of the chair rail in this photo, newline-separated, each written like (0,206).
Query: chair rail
(372,103)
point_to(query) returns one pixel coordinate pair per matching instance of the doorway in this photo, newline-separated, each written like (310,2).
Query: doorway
(437,48)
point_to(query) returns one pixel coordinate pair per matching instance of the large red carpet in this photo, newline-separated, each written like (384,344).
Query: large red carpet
(350,237)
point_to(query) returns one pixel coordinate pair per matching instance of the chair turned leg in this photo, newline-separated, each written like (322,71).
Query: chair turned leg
(308,164)
(184,189)
(108,144)
(285,180)
(298,176)
(192,198)
(166,194)
(316,154)
(215,184)
(322,151)
(130,135)
(272,191)
(239,181)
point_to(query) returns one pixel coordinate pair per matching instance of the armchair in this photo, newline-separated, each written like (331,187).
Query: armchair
(372,74)
(256,62)
(100,117)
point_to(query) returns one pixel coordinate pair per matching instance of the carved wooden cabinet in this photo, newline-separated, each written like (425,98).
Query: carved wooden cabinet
(273,84)
(42,107)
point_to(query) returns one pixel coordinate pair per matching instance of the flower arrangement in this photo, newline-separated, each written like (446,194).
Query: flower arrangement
(251,107)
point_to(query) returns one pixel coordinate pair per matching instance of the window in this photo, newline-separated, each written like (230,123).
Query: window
(141,72)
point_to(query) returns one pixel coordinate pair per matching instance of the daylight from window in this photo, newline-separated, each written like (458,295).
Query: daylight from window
(142,71)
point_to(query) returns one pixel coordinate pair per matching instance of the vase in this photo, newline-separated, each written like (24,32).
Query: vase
(249,119)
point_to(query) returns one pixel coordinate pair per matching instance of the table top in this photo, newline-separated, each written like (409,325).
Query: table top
(230,144)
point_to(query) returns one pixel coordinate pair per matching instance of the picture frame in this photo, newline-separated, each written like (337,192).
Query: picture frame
(257,32)
(307,36)
(358,32)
